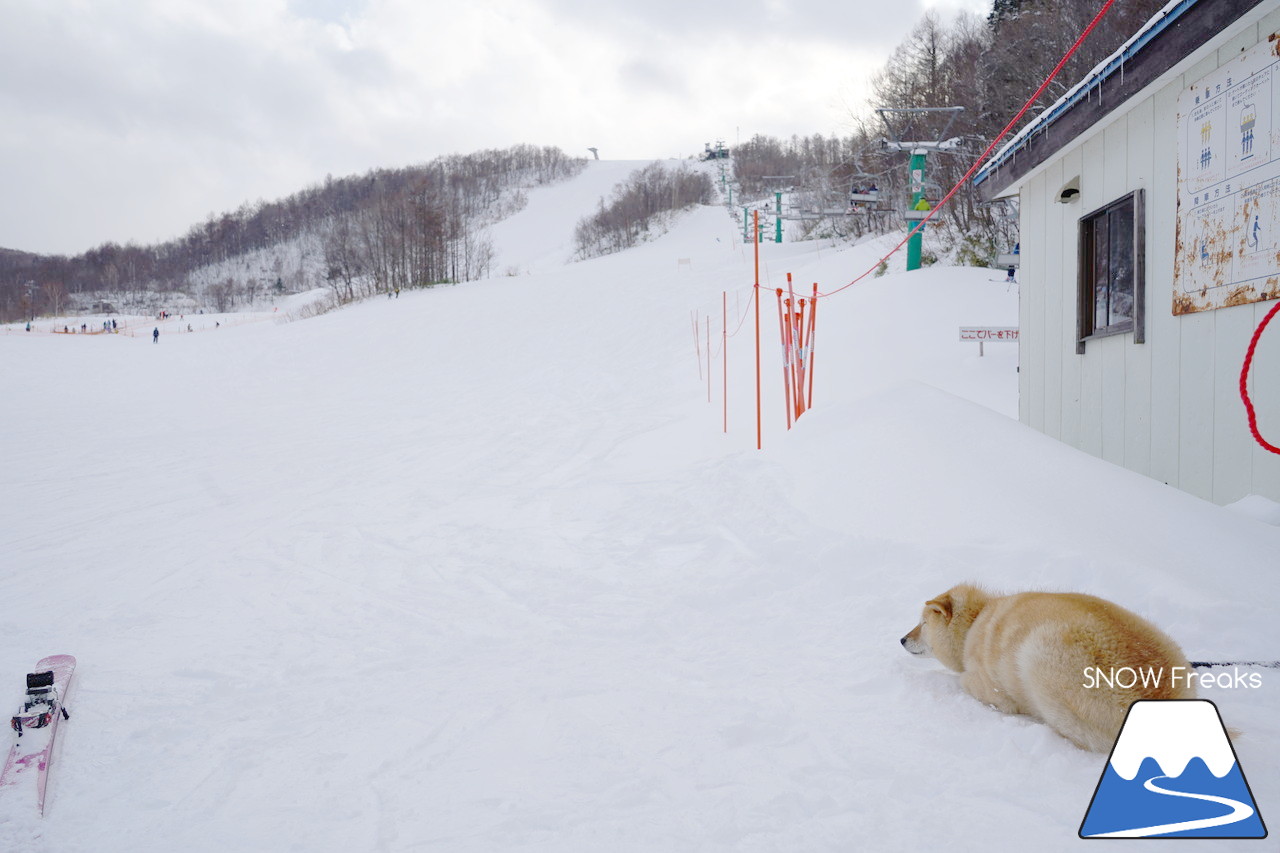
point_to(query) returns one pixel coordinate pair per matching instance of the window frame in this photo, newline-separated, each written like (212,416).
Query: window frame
(1086,286)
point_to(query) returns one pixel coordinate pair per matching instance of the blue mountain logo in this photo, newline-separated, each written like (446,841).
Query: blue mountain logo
(1173,773)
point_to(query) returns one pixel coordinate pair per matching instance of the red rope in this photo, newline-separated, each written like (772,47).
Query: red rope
(983,156)
(1244,381)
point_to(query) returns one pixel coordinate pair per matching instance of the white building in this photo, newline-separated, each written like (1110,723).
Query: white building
(1150,251)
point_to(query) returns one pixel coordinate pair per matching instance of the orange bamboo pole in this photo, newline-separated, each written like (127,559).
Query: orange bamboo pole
(789,344)
(798,362)
(786,359)
(813,326)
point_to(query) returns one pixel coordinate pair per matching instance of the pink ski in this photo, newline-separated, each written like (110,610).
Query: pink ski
(36,724)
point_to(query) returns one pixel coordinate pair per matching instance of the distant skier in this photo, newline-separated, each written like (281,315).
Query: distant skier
(155,335)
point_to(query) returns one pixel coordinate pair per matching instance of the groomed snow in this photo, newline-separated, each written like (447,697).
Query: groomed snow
(475,569)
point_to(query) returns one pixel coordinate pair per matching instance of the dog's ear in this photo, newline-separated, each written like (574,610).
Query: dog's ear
(941,605)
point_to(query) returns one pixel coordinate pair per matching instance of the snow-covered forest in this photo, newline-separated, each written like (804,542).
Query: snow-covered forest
(384,230)
(987,66)
(639,207)
(397,228)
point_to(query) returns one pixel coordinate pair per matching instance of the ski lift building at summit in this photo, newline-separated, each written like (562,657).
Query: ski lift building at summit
(1149,222)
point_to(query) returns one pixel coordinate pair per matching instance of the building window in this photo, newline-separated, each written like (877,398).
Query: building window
(1111,271)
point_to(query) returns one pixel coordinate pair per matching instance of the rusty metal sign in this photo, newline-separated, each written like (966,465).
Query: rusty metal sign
(1228,237)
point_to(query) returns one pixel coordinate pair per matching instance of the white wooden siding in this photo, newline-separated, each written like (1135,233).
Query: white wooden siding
(1164,330)
(1058,255)
(1031,290)
(1168,408)
(1072,372)
(1139,143)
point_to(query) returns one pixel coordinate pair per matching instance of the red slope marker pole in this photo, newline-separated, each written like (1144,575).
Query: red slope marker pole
(801,356)
(794,353)
(789,328)
(786,366)
(724,356)
(813,325)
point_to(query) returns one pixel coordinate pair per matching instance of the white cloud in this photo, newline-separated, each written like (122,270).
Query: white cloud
(133,119)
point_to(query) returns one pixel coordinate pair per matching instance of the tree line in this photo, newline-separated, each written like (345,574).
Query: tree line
(990,66)
(639,208)
(396,228)
(386,229)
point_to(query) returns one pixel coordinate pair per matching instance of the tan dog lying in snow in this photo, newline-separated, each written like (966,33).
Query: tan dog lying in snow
(1073,661)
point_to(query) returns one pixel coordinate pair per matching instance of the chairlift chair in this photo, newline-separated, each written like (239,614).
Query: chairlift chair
(864,194)
(864,189)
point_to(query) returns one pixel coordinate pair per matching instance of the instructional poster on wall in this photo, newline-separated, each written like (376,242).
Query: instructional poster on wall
(1228,239)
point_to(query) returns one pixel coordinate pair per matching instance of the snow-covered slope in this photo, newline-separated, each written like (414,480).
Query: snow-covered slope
(539,237)
(476,569)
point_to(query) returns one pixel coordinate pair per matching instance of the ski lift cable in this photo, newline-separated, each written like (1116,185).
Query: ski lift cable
(746,311)
(991,147)
(720,345)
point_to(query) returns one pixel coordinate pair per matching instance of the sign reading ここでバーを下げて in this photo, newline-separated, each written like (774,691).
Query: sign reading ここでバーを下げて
(1228,237)
(989,333)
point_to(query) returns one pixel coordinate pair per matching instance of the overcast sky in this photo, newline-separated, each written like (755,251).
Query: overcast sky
(131,120)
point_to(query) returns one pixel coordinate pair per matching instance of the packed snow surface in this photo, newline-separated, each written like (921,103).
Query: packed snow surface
(477,569)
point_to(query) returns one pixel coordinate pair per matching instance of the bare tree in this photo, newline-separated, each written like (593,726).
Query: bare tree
(54,296)
(387,228)
(639,208)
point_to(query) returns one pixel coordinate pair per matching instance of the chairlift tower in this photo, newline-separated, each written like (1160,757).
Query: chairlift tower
(777,196)
(919,150)
(720,153)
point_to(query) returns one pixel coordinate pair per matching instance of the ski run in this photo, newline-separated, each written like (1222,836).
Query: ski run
(478,569)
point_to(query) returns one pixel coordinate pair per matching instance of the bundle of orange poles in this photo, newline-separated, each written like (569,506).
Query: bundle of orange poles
(796,323)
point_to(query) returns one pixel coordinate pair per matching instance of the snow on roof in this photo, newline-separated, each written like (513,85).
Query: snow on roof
(1172,10)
